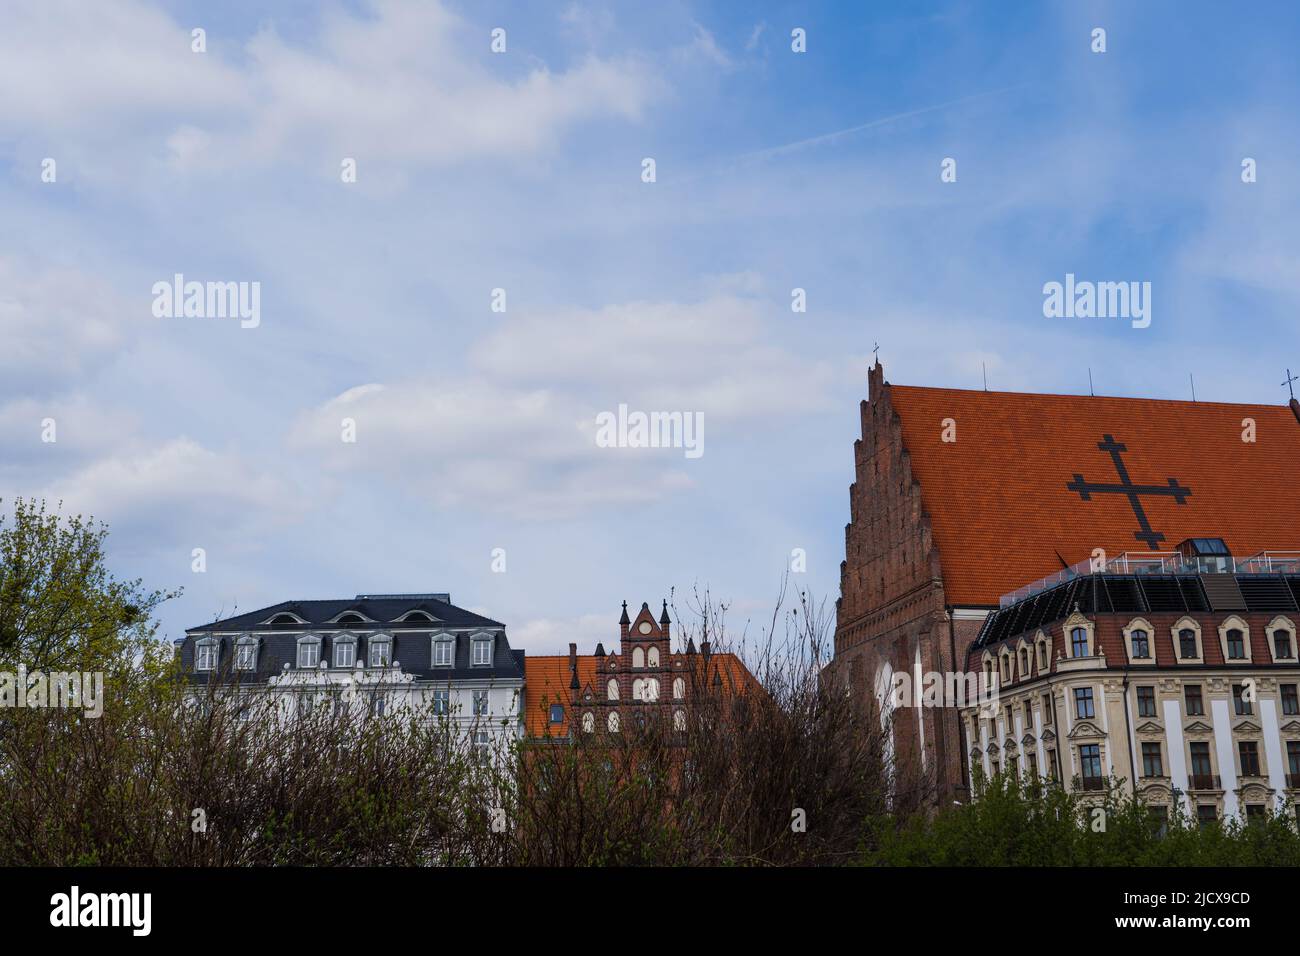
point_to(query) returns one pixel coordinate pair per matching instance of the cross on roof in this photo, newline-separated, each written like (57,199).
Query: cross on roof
(1289,379)
(1133,492)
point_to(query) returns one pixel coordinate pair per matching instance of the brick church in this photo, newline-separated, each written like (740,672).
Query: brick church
(1069,545)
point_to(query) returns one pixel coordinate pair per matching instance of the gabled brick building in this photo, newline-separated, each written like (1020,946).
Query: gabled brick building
(964,499)
(642,679)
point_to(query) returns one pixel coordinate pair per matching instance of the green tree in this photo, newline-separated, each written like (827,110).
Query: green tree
(60,608)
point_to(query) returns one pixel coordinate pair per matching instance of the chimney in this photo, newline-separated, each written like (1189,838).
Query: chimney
(623,623)
(573,667)
(1295,409)
(705,650)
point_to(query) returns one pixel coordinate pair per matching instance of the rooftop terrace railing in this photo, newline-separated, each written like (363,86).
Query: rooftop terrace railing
(1162,562)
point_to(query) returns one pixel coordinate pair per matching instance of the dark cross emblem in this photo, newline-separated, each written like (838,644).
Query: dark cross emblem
(1134,492)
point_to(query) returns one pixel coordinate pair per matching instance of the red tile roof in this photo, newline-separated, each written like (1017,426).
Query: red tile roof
(1002,515)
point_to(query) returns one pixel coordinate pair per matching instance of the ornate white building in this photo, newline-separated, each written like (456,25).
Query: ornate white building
(372,654)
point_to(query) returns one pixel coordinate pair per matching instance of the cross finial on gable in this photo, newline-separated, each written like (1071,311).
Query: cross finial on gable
(1289,379)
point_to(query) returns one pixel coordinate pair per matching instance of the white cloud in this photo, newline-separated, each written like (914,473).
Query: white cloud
(404,84)
(553,635)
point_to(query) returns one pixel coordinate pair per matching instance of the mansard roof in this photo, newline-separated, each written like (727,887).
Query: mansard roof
(384,609)
(1026,488)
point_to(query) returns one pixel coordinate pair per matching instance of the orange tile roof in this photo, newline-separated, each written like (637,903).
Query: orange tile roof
(546,682)
(1002,515)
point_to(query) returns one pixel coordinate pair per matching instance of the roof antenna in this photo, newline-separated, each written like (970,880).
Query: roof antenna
(1090,391)
(1289,379)
(1191,379)
(986,375)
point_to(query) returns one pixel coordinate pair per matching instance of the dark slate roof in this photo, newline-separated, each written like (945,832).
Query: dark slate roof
(412,645)
(385,609)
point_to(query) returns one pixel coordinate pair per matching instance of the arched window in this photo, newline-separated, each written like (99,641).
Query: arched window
(679,720)
(1141,644)
(246,654)
(1079,642)
(284,619)
(679,688)
(652,657)
(1282,644)
(1042,655)
(588,722)
(1236,645)
(638,689)
(638,657)
(308,651)
(1187,644)
(345,651)
(351,619)
(381,652)
(611,689)
(651,689)
(1024,661)
(612,722)
(1006,667)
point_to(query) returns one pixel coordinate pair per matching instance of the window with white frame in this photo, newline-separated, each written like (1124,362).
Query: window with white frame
(651,689)
(611,689)
(246,654)
(612,722)
(679,688)
(308,651)
(480,703)
(443,650)
(345,651)
(381,651)
(588,722)
(638,657)
(441,703)
(482,651)
(1282,631)
(205,655)
(1079,642)
(652,657)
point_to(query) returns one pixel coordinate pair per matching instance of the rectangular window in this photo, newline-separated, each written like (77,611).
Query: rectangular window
(482,651)
(1282,644)
(1047,710)
(1293,760)
(377,703)
(557,713)
(379,653)
(1152,764)
(345,653)
(1240,701)
(1033,765)
(1053,769)
(442,652)
(1141,645)
(1029,716)
(1236,646)
(309,654)
(1013,766)
(1187,644)
(441,704)
(1290,701)
(246,657)
(1207,815)
(1201,770)
(1255,813)
(480,703)
(1146,701)
(1248,751)
(1083,703)
(1159,820)
(1090,762)
(1195,706)
(1079,642)
(205,657)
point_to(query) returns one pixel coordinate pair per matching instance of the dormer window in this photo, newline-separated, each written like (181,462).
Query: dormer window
(416,616)
(1234,640)
(205,654)
(1187,643)
(350,619)
(1141,644)
(1282,631)
(345,651)
(1236,645)
(285,619)
(246,654)
(381,652)
(443,650)
(1079,642)
(557,713)
(308,652)
(482,652)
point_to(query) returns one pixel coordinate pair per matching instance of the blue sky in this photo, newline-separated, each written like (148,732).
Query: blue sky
(775,170)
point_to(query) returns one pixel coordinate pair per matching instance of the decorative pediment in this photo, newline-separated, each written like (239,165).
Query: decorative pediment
(1027,740)
(1254,791)
(1048,735)
(992,748)
(974,753)
(1010,747)
(1198,727)
(1291,727)
(1247,727)
(1149,727)
(1085,728)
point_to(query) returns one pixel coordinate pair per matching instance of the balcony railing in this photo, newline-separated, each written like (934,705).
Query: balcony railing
(1203,781)
(1293,781)
(1092,783)
(1162,562)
